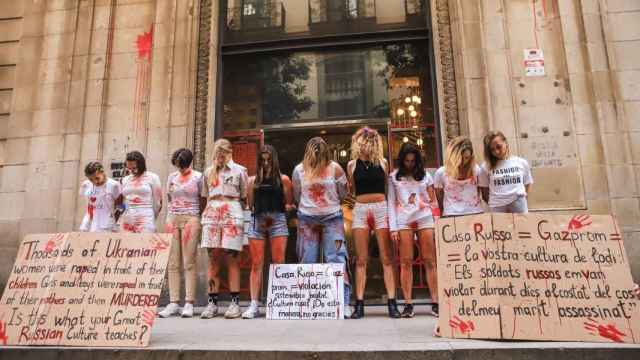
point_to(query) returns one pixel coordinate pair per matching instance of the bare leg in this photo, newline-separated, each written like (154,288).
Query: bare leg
(361,237)
(406,264)
(233,267)
(428,253)
(256,249)
(384,244)
(214,270)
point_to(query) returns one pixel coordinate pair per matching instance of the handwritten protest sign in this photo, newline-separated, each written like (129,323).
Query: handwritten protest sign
(536,277)
(305,292)
(84,289)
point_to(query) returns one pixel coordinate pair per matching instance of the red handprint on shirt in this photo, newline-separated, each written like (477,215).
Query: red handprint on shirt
(53,242)
(579,221)
(465,327)
(317,195)
(606,331)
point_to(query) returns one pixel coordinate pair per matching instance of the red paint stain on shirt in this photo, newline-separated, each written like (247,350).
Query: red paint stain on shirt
(317,195)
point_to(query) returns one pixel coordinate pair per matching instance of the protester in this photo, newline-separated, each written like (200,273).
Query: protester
(142,196)
(184,187)
(505,180)
(319,186)
(270,196)
(102,194)
(225,186)
(456,183)
(367,174)
(411,199)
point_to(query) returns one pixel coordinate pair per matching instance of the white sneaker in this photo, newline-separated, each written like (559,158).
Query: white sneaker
(233,311)
(347,312)
(252,312)
(187,310)
(210,311)
(169,310)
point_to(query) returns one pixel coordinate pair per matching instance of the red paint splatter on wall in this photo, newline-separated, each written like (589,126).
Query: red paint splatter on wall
(606,331)
(317,195)
(144,47)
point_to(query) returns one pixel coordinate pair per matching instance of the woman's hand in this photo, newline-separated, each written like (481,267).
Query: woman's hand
(636,290)
(395,237)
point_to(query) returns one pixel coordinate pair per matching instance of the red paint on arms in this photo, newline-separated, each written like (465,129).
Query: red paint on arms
(606,331)
(317,194)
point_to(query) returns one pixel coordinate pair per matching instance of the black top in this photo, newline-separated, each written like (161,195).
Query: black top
(369,178)
(268,198)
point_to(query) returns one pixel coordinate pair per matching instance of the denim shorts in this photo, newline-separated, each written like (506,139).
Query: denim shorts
(372,216)
(270,224)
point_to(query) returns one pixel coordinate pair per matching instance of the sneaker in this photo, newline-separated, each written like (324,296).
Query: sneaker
(407,312)
(348,312)
(187,310)
(435,310)
(169,310)
(233,311)
(210,311)
(252,312)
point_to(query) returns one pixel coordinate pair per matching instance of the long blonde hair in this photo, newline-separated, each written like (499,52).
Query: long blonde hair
(316,158)
(453,162)
(220,146)
(367,140)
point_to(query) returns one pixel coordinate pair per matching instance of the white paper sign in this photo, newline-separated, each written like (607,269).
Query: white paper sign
(534,62)
(305,292)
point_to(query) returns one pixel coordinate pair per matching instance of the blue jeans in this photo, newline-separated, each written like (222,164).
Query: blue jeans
(326,231)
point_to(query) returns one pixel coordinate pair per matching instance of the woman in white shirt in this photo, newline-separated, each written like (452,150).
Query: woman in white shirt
(142,195)
(456,182)
(102,194)
(225,187)
(505,180)
(411,198)
(184,187)
(319,185)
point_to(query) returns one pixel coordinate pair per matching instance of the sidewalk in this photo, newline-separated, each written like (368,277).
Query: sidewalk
(374,337)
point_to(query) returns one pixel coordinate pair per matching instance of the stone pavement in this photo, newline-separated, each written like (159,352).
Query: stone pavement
(373,337)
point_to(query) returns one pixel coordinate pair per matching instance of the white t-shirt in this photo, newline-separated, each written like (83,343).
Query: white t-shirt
(184,193)
(100,204)
(460,196)
(408,200)
(507,181)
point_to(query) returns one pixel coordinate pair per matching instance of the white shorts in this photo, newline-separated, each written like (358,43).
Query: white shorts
(223,225)
(372,216)
(135,220)
(425,222)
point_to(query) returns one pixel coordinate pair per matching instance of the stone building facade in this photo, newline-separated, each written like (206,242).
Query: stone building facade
(93,79)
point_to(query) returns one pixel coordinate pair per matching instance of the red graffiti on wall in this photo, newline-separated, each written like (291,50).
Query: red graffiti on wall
(144,46)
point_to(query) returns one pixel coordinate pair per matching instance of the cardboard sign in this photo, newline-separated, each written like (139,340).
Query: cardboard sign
(535,277)
(534,62)
(305,292)
(84,289)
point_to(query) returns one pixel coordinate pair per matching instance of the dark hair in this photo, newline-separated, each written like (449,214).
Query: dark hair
(275,166)
(139,159)
(418,170)
(92,168)
(182,158)
(491,159)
